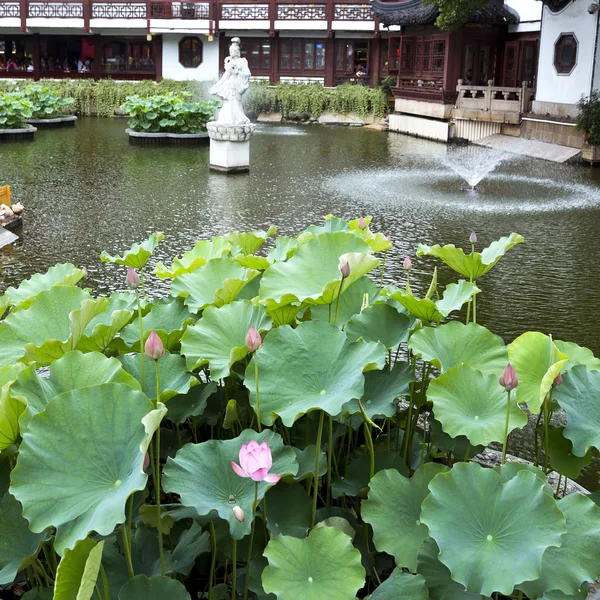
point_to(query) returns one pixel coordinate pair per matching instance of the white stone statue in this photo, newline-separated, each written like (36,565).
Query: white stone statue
(231,87)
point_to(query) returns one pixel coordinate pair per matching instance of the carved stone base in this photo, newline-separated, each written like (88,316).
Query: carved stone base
(230,147)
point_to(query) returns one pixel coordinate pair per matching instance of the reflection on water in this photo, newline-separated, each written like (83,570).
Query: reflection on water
(87,190)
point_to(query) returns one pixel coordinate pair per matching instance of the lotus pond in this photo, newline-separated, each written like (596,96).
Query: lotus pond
(291,413)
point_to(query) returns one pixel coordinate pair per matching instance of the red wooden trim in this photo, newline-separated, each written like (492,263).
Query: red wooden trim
(329,61)
(97,57)
(157,47)
(23,10)
(36,56)
(87,13)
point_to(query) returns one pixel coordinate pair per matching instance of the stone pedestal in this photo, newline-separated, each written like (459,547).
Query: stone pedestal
(230,147)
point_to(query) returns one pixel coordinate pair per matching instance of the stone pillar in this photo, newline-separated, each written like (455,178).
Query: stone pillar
(230,147)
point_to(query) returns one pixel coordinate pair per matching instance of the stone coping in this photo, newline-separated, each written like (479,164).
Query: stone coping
(18,131)
(66,119)
(176,136)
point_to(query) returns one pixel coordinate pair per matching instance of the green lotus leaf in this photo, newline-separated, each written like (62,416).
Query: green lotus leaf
(577,560)
(39,594)
(393,509)
(217,283)
(174,378)
(202,476)
(579,396)
(332,223)
(43,326)
(562,459)
(454,343)
(312,275)
(250,242)
(328,371)
(379,323)
(191,543)
(323,565)
(473,265)
(430,311)
(537,362)
(219,337)
(284,248)
(401,585)
(137,256)
(17,542)
(78,570)
(377,241)
(284,315)
(355,481)
(290,510)
(260,263)
(440,584)
(351,302)
(21,296)
(71,372)
(168,319)
(156,587)
(556,595)
(306,462)
(191,404)
(108,320)
(198,256)
(257,566)
(491,535)
(81,458)
(578,355)
(467,402)
(10,411)
(460,446)
(510,470)
(382,388)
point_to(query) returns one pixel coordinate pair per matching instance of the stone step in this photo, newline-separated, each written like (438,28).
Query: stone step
(533,148)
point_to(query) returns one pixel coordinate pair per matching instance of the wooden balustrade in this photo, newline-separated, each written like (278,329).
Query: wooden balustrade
(493,98)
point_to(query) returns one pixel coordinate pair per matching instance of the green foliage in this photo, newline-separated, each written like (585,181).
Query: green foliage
(169,113)
(588,119)
(15,109)
(48,104)
(455,13)
(116,471)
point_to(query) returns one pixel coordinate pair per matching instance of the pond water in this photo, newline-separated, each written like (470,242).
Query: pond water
(87,190)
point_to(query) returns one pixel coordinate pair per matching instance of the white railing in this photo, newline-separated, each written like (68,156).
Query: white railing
(493,98)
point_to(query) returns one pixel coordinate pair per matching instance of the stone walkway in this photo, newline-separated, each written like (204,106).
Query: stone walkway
(533,148)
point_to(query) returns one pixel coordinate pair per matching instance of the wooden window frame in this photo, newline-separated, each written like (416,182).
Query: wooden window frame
(182,41)
(565,40)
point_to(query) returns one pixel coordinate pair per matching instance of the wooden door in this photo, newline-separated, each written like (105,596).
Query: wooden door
(511,64)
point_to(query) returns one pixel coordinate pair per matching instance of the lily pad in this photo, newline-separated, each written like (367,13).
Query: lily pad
(312,275)
(191,543)
(472,265)
(283,249)
(306,462)
(202,476)
(21,296)
(174,378)
(454,343)
(468,403)
(478,521)
(578,355)
(393,509)
(219,337)
(191,260)
(250,242)
(328,371)
(156,587)
(78,570)
(401,585)
(72,371)
(289,510)
(323,565)
(579,396)
(379,323)
(562,459)
(577,560)
(191,404)
(537,362)
(137,256)
(217,283)
(10,411)
(81,459)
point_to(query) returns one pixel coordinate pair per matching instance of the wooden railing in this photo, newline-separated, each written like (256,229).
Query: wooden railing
(426,91)
(493,98)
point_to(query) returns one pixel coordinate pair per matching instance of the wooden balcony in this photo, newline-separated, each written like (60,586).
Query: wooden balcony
(425,91)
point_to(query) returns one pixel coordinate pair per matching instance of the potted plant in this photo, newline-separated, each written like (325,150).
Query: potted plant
(588,122)
(15,110)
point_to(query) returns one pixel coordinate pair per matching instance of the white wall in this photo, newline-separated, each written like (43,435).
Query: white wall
(529,10)
(172,68)
(567,89)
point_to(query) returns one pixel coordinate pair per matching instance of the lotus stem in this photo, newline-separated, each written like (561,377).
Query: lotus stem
(98,594)
(536,441)
(558,485)
(254,507)
(139,303)
(127,550)
(337,303)
(382,269)
(213,559)
(467,452)
(234,571)
(547,402)
(157,480)
(405,449)
(505,444)
(474,308)
(105,586)
(329,457)
(316,478)
(259,426)
(369,441)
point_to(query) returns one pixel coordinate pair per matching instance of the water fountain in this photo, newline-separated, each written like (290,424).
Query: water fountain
(473,164)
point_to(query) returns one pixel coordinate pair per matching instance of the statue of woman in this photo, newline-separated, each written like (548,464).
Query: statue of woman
(232,86)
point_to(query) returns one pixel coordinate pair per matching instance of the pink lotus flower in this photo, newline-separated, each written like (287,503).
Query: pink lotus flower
(509,380)
(238,513)
(345,270)
(154,347)
(407,263)
(557,380)
(473,237)
(362,223)
(255,461)
(253,339)
(133,279)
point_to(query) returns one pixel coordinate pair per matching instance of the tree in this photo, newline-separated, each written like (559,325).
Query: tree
(455,13)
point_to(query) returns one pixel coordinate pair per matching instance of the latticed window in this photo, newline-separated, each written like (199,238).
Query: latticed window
(408,56)
(190,52)
(302,56)
(439,56)
(565,53)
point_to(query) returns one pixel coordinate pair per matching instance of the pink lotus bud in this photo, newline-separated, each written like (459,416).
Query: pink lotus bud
(407,263)
(362,223)
(133,279)
(146,461)
(345,270)
(557,380)
(255,462)
(85,272)
(238,513)
(473,237)
(154,347)
(389,239)
(253,340)
(509,380)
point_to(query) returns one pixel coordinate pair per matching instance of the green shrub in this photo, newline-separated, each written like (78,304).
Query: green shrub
(169,113)
(15,109)
(588,120)
(47,104)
